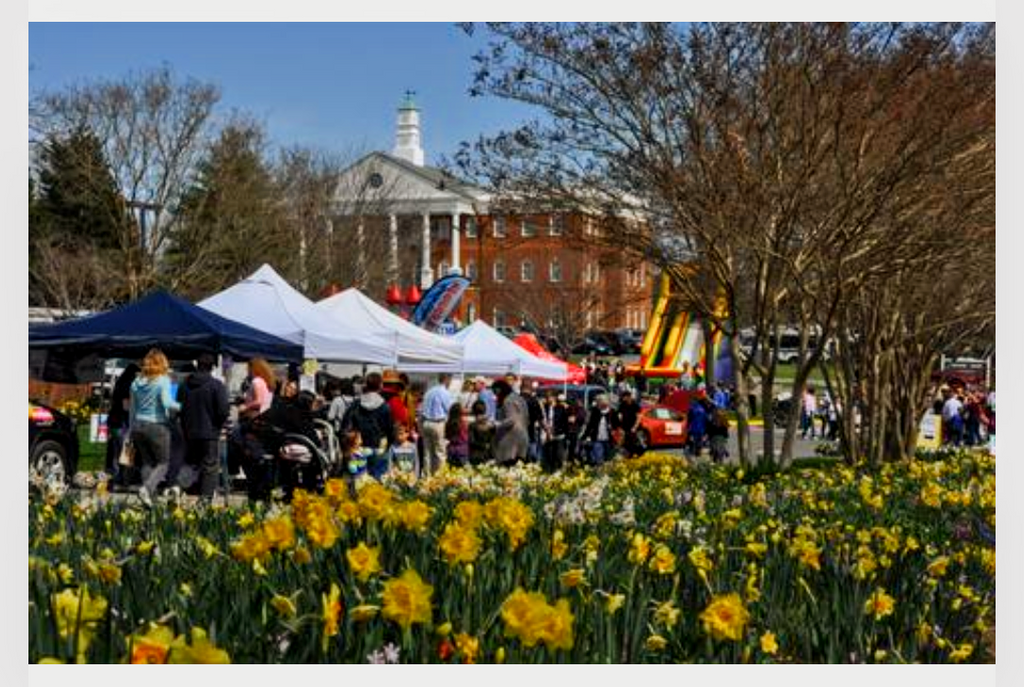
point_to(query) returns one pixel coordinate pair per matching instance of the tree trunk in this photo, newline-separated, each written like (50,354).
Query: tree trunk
(741,384)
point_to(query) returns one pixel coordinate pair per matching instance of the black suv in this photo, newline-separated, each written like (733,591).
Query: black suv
(52,444)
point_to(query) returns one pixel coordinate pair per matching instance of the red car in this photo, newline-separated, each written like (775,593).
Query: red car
(661,426)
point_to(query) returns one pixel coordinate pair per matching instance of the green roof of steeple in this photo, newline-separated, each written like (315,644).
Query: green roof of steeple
(409,103)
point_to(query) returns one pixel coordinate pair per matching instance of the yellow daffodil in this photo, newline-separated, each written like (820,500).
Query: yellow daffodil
(407,599)
(879,604)
(769,645)
(331,603)
(363,561)
(725,617)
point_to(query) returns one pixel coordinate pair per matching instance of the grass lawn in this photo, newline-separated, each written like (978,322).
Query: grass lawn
(90,456)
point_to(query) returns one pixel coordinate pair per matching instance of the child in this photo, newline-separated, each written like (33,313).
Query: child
(456,431)
(355,458)
(718,435)
(406,458)
(481,435)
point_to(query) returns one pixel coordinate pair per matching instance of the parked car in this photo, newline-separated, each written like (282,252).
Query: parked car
(592,345)
(661,426)
(52,444)
(583,394)
(510,332)
(631,340)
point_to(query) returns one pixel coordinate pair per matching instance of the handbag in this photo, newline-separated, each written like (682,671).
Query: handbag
(127,457)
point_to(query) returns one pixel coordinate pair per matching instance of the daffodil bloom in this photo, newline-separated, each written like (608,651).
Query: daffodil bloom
(363,561)
(199,650)
(655,643)
(468,647)
(879,604)
(459,543)
(331,611)
(667,614)
(961,653)
(364,612)
(573,578)
(725,617)
(769,645)
(558,545)
(614,602)
(664,561)
(407,599)
(153,647)
(284,606)
(937,568)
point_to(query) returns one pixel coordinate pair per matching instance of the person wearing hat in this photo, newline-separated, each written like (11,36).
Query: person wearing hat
(393,391)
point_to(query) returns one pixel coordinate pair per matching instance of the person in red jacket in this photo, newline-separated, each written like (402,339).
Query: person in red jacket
(394,394)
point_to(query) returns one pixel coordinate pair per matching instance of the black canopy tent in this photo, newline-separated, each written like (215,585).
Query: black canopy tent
(67,351)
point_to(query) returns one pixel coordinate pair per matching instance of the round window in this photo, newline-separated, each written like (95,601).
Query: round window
(376,180)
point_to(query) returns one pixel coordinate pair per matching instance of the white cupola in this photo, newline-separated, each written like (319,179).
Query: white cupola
(407,133)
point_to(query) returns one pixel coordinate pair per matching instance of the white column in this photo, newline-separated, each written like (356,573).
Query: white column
(426,273)
(360,271)
(456,238)
(392,249)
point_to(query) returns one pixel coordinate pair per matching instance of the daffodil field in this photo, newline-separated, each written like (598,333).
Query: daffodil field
(649,560)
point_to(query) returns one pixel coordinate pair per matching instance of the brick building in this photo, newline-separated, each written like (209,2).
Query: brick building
(527,268)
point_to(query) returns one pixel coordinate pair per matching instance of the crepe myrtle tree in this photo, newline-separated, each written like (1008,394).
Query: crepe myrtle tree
(785,159)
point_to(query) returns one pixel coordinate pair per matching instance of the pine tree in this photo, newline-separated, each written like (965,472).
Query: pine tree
(78,226)
(231,219)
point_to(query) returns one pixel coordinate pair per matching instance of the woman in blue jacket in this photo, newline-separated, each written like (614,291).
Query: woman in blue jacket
(150,417)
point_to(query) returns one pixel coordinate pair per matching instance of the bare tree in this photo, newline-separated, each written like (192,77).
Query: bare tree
(765,163)
(153,130)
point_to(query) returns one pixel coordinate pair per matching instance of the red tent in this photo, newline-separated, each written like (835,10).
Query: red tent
(577,375)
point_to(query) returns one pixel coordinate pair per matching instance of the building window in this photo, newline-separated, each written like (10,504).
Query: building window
(499,271)
(442,269)
(499,227)
(471,270)
(498,319)
(470,227)
(643,275)
(555,271)
(526,270)
(527,228)
(556,225)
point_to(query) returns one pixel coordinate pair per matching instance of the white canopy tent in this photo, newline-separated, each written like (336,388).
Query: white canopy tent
(265,301)
(491,353)
(413,345)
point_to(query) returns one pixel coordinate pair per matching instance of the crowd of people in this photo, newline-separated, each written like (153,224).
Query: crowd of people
(968,414)
(382,420)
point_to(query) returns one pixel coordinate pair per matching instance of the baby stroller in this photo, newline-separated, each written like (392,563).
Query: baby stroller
(275,457)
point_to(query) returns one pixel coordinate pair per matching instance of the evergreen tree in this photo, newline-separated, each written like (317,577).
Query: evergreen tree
(231,218)
(78,226)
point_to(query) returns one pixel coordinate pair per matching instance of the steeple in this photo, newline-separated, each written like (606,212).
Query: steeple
(407,133)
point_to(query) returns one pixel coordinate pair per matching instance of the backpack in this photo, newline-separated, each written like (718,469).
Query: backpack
(365,422)
(720,419)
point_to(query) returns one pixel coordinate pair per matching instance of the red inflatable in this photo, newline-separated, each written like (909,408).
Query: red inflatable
(577,375)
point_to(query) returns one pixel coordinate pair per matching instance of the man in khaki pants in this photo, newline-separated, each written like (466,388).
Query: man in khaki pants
(433,415)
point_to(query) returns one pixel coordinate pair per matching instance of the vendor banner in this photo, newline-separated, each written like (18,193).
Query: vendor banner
(439,302)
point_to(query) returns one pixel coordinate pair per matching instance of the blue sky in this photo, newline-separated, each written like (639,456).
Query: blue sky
(334,86)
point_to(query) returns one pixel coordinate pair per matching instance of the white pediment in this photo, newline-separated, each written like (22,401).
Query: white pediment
(382,181)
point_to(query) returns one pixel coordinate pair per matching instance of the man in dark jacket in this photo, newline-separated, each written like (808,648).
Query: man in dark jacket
(554,431)
(371,417)
(601,428)
(204,410)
